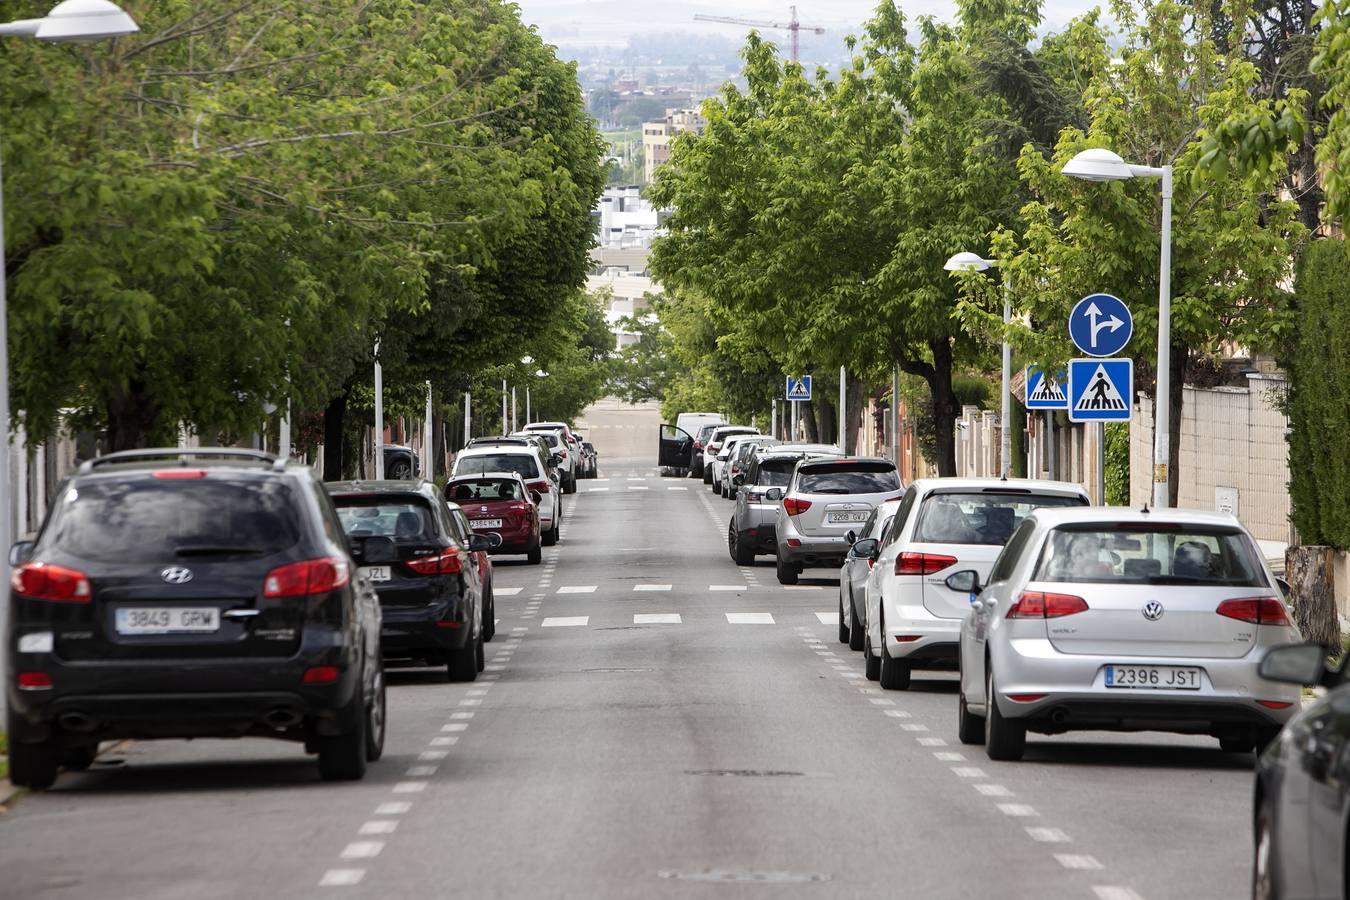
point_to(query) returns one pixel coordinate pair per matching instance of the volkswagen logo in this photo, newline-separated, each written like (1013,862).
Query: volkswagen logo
(1153,610)
(176,575)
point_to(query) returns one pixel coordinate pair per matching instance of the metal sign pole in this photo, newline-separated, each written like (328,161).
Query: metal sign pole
(1101,463)
(843,405)
(773,418)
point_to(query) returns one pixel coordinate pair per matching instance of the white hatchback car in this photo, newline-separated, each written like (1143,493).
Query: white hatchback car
(912,618)
(1123,620)
(524,461)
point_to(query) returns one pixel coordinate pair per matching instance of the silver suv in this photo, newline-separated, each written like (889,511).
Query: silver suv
(753,523)
(825,500)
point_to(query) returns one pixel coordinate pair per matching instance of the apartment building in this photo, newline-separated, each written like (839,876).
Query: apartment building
(656,136)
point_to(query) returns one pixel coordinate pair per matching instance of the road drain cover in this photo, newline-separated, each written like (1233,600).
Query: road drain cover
(757,876)
(743,773)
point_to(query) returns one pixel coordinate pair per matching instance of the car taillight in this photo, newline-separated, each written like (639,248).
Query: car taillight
(540,486)
(1256,610)
(313,576)
(321,675)
(698,445)
(1041,605)
(451,562)
(910,563)
(794,507)
(562,454)
(520,507)
(34,681)
(41,581)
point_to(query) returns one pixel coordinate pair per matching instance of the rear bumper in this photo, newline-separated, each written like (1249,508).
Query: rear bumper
(925,636)
(409,631)
(811,552)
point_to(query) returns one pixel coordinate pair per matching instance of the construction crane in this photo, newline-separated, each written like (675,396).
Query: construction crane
(791,25)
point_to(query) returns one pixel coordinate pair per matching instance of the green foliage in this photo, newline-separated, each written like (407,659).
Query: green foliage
(1117,464)
(1332,63)
(1318,362)
(970,390)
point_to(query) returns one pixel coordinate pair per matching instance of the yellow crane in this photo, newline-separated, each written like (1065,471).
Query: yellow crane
(791,25)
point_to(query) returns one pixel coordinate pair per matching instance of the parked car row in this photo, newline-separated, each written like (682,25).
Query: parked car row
(219,592)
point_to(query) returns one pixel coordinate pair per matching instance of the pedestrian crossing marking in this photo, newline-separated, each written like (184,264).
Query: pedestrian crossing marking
(507,592)
(828,618)
(727,587)
(577,589)
(565,621)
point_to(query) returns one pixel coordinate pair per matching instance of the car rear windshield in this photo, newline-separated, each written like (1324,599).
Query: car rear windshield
(1135,554)
(849,478)
(400,518)
(980,517)
(523,464)
(484,489)
(776,472)
(145,520)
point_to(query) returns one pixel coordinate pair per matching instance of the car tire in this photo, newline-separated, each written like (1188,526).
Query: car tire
(79,757)
(871,664)
(462,664)
(895,673)
(342,757)
(479,657)
(788,573)
(856,633)
(490,616)
(32,765)
(1236,745)
(1005,740)
(551,536)
(535,555)
(843,623)
(400,471)
(1265,737)
(1265,871)
(707,475)
(376,719)
(570,485)
(969,727)
(741,554)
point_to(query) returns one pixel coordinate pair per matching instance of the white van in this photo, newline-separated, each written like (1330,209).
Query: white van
(678,451)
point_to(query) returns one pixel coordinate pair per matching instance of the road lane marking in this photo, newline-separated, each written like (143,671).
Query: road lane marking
(656,619)
(461,715)
(565,621)
(801,587)
(749,618)
(1047,835)
(637,487)
(1077,861)
(1114,892)
(913,726)
(652,587)
(455,727)
(432,755)
(577,589)
(379,826)
(471,701)
(596,490)
(507,592)
(1017,810)
(727,587)
(968,771)
(949,756)
(931,742)
(993,790)
(341,877)
(397,808)
(828,618)
(901,714)
(883,701)
(410,787)
(421,771)
(362,850)
(444,741)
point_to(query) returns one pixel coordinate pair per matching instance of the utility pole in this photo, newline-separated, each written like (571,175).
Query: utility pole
(428,437)
(379,415)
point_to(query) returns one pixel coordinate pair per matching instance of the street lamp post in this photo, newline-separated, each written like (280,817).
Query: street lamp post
(971,262)
(379,415)
(1103,165)
(72,20)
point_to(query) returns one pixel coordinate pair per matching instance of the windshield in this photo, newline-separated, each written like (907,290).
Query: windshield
(397,518)
(979,517)
(849,478)
(524,464)
(1129,554)
(484,489)
(141,520)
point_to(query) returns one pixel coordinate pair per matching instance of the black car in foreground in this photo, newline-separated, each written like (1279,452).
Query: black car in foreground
(1301,811)
(418,557)
(190,593)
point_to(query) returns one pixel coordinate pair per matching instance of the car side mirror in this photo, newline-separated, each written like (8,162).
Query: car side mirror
(378,549)
(867,548)
(851,537)
(494,539)
(479,543)
(1285,588)
(738,479)
(20,552)
(1298,664)
(536,497)
(554,460)
(967,581)
(774,494)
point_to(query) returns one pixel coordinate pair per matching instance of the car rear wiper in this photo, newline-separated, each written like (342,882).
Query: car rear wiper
(831,491)
(216,550)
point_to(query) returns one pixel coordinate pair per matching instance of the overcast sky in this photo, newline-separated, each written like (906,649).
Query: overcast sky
(612,21)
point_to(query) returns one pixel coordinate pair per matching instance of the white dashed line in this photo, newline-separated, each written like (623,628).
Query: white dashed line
(421,771)
(749,618)
(362,850)
(455,726)
(913,726)
(901,714)
(727,587)
(396,808)
(1047,835)
(948,756)
(931,742)
(565,621)
(471,701)
(410,787)
(432,755)
(1077,861)
(656,619)
(828,618)
(577,589)
(993,790)
(637,487)
(506,592)
(341,877)
(379,826)
(1017,810)
(883,701)
(652,587)
(968,772)
(802,587)
(681,488)
(444,741)
(1114,892)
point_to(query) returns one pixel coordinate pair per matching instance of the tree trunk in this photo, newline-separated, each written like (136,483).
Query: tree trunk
(334,416)
(132,418)
(1313,588)
(856,402)
(946,409)
(807,413)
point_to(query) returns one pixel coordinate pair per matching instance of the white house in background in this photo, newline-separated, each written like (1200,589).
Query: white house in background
(625,226)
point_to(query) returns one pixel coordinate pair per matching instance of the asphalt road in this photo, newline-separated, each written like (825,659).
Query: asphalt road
(654,722)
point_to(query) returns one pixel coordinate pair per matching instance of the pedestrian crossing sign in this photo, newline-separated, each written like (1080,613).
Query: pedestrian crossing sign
(799,387)
(1045,392)
(1100,390)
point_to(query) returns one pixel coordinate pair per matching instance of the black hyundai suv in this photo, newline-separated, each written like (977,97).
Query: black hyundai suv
(420,558)
(190,593)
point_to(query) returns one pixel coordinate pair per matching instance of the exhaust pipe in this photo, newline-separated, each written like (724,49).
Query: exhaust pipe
(76,721)
(1059,717)
(281,719)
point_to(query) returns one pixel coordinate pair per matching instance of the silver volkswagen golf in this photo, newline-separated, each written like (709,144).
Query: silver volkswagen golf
(1123,620)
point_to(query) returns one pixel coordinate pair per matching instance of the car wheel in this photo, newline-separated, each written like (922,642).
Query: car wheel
(1265,881)
(741,554)
(376,718)
(551,536)
(1004,739)
(969,727)
(79,757)
(871,665)
(479,656)
(570,485)
(490,616)
(342,757)
(463,663)
(788,573)
(707,475)
(843,623)
(856,632)
(1236,745)
(1264,738)
(400,471)
(895,673)
(535,555)
(32,765)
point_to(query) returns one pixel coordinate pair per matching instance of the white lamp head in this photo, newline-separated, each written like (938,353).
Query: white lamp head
(967,262)
(526,360)
(85,20)
(1098,164)
(541,373)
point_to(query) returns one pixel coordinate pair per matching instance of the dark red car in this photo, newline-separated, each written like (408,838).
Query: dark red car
(500,503)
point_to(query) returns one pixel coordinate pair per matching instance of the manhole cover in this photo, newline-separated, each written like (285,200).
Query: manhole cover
(759,876)
(743,773)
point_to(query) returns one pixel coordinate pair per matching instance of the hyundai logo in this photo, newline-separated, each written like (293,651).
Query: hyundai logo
(176,575)
(1153,610)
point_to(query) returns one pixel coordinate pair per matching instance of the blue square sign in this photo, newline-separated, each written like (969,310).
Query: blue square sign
(799,387)
(1045,392)
(1100,390)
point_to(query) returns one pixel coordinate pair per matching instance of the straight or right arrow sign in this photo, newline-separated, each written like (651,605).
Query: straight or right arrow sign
(1100,390)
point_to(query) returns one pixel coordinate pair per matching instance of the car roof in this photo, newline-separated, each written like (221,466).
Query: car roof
(231,459)
(481,475)
(529,450)
(1053,517)
(811,448)
(385,486)
(843,460)
(924,485)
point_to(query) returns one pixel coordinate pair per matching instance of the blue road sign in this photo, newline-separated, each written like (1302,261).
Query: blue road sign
(1100,390)
(799,388)
(1043,392)
(1100,325)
